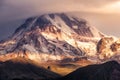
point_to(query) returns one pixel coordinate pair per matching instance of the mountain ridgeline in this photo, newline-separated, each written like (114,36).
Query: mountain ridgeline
(106,71)
(61,21)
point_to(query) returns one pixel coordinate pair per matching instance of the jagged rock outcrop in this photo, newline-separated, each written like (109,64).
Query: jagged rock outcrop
(52,37)
(103,47)
(108,47)
(115,47)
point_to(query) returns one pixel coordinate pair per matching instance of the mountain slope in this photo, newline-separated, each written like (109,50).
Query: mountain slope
(52,37)
(106,71)
(23,69)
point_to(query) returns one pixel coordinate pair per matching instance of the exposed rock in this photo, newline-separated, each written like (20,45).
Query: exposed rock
(103,47)
(107,47)
(115,47)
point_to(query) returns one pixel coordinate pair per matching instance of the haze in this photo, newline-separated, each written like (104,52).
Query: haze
(102,14)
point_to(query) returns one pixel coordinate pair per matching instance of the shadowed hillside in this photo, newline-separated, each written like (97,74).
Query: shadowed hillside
(23,70)
(106,71)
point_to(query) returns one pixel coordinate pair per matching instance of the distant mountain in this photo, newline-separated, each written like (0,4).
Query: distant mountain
(52,37)
(106,71)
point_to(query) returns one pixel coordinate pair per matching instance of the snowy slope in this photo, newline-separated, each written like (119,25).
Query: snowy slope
(52,37)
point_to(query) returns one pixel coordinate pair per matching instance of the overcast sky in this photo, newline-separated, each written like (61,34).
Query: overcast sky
(103,14)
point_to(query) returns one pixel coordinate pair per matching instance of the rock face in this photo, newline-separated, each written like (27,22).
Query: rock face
(107,47)
(52,37)
(106,71)
(115,47)
(103,47)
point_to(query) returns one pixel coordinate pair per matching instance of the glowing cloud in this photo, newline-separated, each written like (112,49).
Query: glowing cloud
(111,8)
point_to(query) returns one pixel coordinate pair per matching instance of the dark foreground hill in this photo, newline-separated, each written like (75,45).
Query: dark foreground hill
(106,71)
(23,70)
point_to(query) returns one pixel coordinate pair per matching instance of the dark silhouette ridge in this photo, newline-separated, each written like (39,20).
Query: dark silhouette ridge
(106,71)
(10,70)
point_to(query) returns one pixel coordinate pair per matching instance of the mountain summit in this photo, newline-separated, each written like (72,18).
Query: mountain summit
(64,22)
(52,37)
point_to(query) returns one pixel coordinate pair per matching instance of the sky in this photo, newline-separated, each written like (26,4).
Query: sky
(103,14)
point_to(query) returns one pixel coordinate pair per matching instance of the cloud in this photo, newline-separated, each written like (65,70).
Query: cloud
(95,3)
(17,9)
(1,2)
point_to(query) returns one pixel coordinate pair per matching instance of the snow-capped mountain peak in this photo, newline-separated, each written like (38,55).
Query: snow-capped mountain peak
(52,37)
